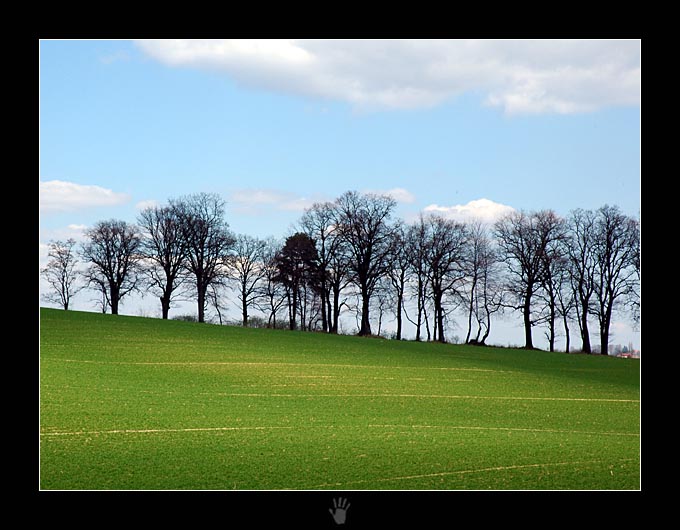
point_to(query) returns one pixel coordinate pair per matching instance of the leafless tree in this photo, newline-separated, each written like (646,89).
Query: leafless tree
(319,223)
(364,224)
(165,252)
(102,290)
(207,238)
(214,297)
(339,278)
(416,249)
(633,300)
(524,239)
(271,293)
(566,298)
(382,300)
(582,265)
(555,262)
(399,273)
(445,265)
(245,269)
(616,238)
(61,273)
(113,251)
(483,293)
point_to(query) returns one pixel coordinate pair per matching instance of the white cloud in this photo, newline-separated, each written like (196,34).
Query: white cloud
(61,196)
(398,194)
(524,76)
(255,201)
(72,231)
(482,209)
(141,205)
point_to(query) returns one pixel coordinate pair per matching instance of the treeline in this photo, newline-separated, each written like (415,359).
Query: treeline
(352,256)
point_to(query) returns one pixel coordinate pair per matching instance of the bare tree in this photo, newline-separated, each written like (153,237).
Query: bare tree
(398,272)
(339,278)
(363,221)
(582,264)
(483,296)
(245,268)
(554,264)
(271,293)
(318,222)
(207,238)
(489,299)
(523,240)
(165,252)
(445,264)
(633,300)
(381,301)
(566,299)
(416,249)
(113,251)
(101,288)
(213,296)
(615,250)
(61,273)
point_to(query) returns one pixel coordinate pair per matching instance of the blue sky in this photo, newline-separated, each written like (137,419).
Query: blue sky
(274,126)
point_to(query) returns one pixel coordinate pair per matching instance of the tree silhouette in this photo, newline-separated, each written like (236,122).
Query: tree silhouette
(165,252)
(113,251)
(363,221)
(297,267)
(207,239)
(61,273)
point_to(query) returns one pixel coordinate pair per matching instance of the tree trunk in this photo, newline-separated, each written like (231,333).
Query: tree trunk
(487,330)
(329,311)
(336,309)
(400,297)
(165,306)
(470,310)
(566,332)
(324,315)
(201,289)
(365,329)
(604,330)
(604,341)
(115,298)
(292,309)
(553,316)
(528,341)
(419,304)
(585,334)
(439,316)
(427,323)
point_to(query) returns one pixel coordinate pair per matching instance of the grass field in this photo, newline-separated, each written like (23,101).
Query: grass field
(135,403)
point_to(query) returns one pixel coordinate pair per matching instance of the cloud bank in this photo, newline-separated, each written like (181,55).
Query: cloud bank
(483,210)
(518,76)
(62,196)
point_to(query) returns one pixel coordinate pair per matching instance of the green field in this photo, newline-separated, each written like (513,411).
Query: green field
(136,403)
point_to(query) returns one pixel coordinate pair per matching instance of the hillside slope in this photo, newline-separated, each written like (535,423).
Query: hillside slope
(135,403)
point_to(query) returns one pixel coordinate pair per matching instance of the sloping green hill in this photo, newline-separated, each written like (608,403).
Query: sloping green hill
(135,403)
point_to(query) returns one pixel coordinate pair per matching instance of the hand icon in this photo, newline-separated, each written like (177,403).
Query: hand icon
(341,506)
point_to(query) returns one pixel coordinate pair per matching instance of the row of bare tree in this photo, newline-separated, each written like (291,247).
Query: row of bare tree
(352,254)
